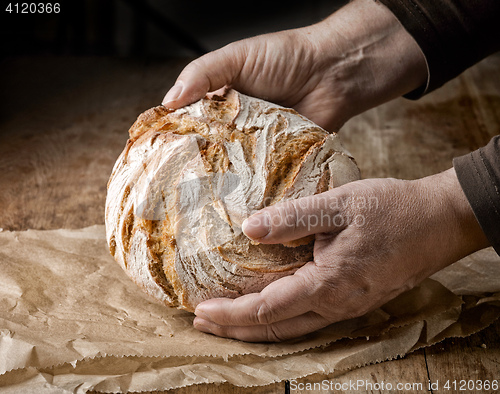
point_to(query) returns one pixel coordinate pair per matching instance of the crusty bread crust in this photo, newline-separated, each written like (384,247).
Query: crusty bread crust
(187,179)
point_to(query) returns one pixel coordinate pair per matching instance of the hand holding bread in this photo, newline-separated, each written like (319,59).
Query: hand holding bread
(374,239)
(357,58)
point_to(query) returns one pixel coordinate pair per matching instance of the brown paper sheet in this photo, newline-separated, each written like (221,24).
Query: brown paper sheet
(71,319)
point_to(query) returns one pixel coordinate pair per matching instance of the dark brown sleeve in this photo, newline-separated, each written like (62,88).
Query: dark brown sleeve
(479,175)
(452,34)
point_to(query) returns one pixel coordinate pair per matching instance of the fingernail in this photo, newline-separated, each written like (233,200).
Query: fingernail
(201,313)
(257,226)
(202,325)
(173,94)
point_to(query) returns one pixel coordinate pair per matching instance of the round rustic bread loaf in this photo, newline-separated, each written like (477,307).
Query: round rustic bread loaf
(187,179)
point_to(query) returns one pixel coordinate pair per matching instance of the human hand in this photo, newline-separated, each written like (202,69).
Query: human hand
(357,58)
(375,238)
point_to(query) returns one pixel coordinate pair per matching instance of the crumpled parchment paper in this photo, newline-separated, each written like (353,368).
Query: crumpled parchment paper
(70,319)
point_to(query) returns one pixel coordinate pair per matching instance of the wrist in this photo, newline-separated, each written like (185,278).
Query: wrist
(368,55)
(460,230)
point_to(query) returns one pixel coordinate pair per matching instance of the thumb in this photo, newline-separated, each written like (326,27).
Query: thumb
(294,219)
(205,74)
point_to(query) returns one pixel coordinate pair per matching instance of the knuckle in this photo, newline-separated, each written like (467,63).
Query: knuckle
(200,62)
(294,214)
(265,314)
(273,334)
(218,330)
(285,217)
(192,68)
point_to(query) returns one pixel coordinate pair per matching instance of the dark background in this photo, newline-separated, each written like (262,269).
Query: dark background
(72,84)
(151,28)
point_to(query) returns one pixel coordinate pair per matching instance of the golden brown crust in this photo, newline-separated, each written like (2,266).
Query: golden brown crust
(188,178)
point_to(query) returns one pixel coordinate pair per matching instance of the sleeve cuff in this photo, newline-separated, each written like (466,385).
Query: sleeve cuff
(479,176)
(453,34)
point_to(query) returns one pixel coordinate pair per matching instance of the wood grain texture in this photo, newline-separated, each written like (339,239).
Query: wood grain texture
(475,358)
(410,369)
(64,121)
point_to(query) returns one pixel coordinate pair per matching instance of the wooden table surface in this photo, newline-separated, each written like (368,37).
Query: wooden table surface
(64,121)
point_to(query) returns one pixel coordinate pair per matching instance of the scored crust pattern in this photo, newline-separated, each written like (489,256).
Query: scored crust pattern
(187,179)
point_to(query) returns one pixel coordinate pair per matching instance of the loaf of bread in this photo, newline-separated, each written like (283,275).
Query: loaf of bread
(187,179)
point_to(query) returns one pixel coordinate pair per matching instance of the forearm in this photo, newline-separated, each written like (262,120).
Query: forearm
(453,226)
(368,55)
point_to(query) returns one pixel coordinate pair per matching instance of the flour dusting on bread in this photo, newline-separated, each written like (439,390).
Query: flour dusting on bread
(187,179)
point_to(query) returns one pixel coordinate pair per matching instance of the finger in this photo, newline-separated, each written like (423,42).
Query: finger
(294,219)
(275,332)
(280,300)
(205,74)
